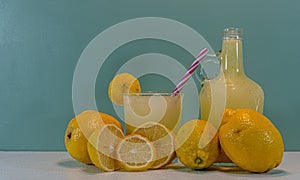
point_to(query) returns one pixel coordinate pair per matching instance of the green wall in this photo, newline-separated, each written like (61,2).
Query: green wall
(42,40)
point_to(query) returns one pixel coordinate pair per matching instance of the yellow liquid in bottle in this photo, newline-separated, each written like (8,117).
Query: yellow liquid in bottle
(241,91)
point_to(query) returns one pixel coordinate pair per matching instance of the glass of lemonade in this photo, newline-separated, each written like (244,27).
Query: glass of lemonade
(164,108)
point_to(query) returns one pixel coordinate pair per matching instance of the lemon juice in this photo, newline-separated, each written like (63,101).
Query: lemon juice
(164,108)
(239,90)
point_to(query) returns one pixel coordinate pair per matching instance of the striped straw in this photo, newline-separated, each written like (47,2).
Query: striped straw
(190,71)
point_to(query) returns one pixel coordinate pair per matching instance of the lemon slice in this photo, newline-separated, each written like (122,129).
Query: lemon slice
(163,141)
(135,153)
(101,147)
(120,84)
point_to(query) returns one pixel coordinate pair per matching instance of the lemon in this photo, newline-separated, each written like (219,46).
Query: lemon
(120,84)
(222,157)
(101,147)
(75,143)
(251,141)
(108,119)
(163,141)
(80,128)
(135,153)
(228,113)
(196,144)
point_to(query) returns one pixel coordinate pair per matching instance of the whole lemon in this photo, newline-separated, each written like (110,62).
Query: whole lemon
(80,128)
(196,144)
(223,158)
(251,141)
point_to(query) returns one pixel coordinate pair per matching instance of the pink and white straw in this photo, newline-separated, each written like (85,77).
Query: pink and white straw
(190,71)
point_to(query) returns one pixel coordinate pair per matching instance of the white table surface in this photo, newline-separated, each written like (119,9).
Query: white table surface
(58,165)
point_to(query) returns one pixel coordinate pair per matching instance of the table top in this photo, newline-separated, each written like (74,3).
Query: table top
(59,165)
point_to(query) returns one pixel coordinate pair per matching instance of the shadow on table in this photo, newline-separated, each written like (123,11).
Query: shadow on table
(232,171)
(70,164)
(91,169)
(229,170)
(189,170)
(237,171)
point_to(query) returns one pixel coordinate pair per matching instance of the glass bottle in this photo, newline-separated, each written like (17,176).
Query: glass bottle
(241,91)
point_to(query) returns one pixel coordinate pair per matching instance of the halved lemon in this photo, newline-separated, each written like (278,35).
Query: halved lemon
(101,147)
(120,84)
(135,153)
(163,141)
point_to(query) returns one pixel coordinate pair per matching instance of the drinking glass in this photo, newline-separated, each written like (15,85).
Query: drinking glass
(161,107)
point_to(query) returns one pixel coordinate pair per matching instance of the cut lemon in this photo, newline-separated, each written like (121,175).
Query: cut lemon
(135,153)
(120,84)
(101,147)
(163,141)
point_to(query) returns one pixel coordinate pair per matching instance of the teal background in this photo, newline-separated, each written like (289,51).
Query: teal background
(41,41)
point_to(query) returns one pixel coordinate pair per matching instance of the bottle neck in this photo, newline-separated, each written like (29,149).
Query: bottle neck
(232,56)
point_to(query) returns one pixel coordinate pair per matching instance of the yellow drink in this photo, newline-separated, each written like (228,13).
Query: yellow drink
(240,91)
(164,108)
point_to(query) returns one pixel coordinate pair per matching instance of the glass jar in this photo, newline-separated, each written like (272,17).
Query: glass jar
(241,91)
